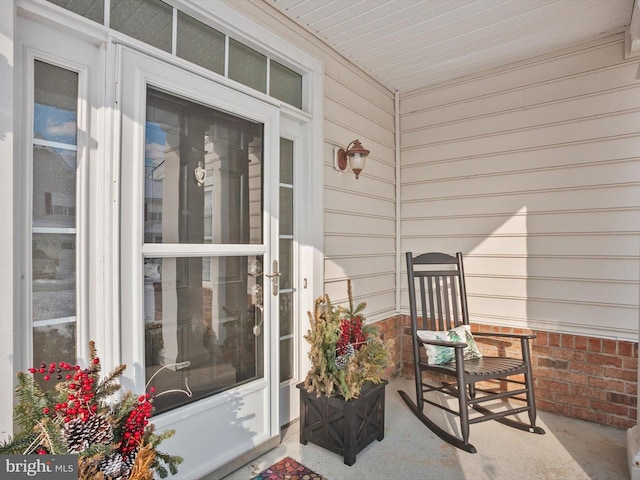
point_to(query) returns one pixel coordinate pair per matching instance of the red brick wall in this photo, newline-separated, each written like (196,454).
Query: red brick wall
(581,377)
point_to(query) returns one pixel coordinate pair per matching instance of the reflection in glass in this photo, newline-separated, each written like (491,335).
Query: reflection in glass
(203,326)
(286,314)
(53,260)
(54,187)
(286,263)
(54,218)
(203,174)
(286,359)
(57,341)
(56,103)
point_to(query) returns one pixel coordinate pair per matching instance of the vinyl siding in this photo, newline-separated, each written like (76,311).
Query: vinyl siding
(358,215)
(532,172)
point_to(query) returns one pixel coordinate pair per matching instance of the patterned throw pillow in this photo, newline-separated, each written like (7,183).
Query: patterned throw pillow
(437,355)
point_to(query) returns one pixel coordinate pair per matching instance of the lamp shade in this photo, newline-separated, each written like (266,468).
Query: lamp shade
(357,156)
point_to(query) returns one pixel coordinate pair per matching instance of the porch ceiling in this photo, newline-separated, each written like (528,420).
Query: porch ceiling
(408,44)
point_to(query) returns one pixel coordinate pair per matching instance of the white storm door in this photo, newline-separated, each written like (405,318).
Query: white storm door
(199,235)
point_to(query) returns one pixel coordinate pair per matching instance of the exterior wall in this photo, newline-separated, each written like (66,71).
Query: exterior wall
(7,290)
(359,215)
(532,172)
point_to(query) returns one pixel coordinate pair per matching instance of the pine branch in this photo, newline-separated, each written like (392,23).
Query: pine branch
(32,401)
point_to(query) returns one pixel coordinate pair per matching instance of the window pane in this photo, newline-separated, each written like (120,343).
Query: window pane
(54,343)
(203,174)
(286,359)
(56,103)
(54,187)
(150,21)
(247,66)
(286,314)
(202,328)
(286,263)
(286,161)
(91,9)
(200,44)
(286,210)
(285,84)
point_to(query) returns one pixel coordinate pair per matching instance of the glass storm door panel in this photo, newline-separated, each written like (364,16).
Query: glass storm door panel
(198,229)
(203,179)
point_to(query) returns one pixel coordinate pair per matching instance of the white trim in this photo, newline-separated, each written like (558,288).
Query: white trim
(200,250)
(398,171)
(61,146)
(54,321)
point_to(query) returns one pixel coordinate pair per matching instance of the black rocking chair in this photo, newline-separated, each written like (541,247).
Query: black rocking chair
(453,353)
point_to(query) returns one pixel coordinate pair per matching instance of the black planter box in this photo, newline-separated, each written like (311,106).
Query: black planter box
(343,427)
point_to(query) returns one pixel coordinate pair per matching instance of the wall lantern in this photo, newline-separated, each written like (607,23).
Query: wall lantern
(355,155)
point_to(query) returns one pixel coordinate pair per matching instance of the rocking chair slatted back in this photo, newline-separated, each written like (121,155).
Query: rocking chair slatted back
(443,296)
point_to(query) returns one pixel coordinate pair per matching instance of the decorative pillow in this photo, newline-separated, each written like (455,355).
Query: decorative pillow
(437,355)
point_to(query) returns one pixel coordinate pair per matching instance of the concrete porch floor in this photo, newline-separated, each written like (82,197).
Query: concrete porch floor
(570,450)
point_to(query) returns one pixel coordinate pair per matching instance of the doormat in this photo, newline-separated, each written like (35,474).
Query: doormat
(288,469)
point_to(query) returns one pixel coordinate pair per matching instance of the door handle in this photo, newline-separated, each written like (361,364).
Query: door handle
(275,277)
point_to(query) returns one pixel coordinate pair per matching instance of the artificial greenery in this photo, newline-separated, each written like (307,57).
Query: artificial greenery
(113,439)
(345,352)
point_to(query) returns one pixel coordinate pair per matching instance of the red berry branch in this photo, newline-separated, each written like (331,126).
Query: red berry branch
(350,334)
(134,428)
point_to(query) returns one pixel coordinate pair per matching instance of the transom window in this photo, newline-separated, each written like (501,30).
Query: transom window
(157,23)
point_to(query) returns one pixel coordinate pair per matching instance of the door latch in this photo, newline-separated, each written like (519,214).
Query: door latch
(275,277)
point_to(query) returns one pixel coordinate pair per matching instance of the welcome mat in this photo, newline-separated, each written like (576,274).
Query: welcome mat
(288,469)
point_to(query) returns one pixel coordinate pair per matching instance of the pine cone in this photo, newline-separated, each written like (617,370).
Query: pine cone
(116,467)
(341,361)
(79,434)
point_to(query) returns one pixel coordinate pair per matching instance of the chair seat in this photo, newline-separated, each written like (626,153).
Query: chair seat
(487,367)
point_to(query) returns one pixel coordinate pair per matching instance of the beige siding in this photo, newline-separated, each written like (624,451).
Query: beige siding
(533,172)
(359,216)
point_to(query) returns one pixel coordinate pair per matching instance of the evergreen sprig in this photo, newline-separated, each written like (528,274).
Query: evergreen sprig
(332,371)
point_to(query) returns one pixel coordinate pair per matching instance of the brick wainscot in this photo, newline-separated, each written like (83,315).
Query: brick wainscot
(588,378)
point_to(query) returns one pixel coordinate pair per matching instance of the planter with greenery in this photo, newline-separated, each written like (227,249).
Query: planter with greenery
(342,397)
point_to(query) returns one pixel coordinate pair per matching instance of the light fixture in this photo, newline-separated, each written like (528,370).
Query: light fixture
(355,155)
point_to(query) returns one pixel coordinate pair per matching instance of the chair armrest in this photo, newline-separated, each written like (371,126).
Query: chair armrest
(527,336)
(443,343)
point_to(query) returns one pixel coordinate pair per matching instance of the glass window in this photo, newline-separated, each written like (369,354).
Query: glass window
(150,21)
(287,279)
(53,220)
(203,174)
(203,330)
(285,84)
(91,9)
(200,44)
(247,66)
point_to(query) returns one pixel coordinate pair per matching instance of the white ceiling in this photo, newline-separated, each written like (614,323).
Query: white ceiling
(408,44)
